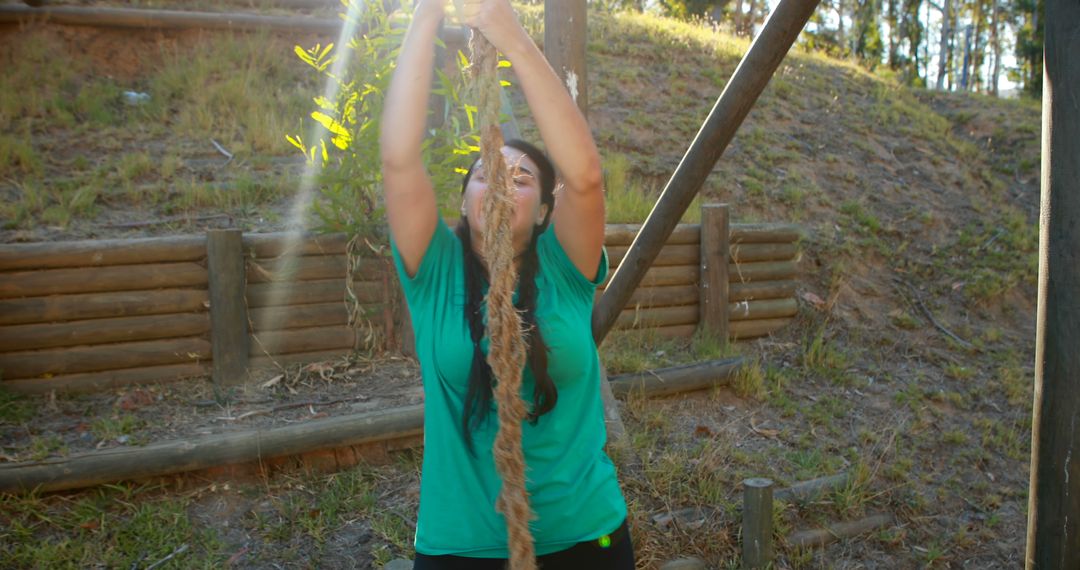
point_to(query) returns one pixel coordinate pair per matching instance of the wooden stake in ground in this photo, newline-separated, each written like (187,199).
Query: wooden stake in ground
(507,351)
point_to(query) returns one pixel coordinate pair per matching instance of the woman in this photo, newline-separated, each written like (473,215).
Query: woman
(580,513)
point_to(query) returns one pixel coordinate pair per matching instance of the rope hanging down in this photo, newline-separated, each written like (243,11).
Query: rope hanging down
(507,351)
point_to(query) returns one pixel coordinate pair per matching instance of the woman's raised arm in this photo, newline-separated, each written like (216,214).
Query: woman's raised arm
(411,206)
(579,207)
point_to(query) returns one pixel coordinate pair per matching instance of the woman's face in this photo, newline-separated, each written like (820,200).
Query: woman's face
(529,211)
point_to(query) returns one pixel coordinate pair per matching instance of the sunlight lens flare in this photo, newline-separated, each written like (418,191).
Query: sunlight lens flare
(297,221)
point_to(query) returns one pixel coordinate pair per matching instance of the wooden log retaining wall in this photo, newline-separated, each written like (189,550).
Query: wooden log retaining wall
(94,315)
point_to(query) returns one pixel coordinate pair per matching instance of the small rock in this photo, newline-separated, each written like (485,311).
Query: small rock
(123,439)
(399,564)
(691,563)
(135,399)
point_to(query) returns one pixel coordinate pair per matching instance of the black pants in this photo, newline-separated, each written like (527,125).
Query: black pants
(591,555)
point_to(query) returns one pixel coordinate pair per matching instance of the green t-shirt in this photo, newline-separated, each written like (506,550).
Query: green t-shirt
(572,485)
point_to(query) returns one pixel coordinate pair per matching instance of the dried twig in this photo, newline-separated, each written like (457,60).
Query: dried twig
(929,315)
(222,150)
(183,548)
(311,403)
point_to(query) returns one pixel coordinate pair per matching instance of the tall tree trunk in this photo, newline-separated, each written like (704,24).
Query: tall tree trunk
(1035,70)
(738,18)
(894,33)
(965,75)
(979,15)
(995,41)
(751,18)
(943,45)
(840,36)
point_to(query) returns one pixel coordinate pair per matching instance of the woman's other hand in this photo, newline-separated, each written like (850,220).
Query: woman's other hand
(495,19)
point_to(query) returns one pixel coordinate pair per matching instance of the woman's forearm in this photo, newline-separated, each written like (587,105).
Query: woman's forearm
(562,126)
(405,108)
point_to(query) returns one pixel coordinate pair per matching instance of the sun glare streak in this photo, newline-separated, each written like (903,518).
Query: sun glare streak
(297,220)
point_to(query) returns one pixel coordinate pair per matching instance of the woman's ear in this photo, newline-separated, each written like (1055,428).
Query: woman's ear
(542,214)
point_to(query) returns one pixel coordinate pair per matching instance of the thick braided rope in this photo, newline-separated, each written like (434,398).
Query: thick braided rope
(507,351)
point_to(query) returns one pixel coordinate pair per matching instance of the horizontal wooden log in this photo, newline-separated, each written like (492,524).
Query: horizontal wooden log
(664,296)
(764,309)
(54,361)
(144,18)
(98,253)
(298,316)
(128,463)
(309,292)
(760,290)
(761,271)
(657,317)
(819,537)
(263,362)
(101,305)
(663,276)
(108,379)
(624,234)
(765,233)
(302,340)
(270,245)
(102,331)
(741,330)
(669,255)
(313,267)
(677,331)
(677,379)
(809,490)
(745,252)
(101,279)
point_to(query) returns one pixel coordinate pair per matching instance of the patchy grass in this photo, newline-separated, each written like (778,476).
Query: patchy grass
(71,137)
(629,199)
(114,526)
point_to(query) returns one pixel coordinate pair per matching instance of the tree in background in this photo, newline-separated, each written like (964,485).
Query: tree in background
(1029,45)
(867,30)
(944,44)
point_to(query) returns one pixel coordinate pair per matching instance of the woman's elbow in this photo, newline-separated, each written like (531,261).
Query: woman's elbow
(590,178)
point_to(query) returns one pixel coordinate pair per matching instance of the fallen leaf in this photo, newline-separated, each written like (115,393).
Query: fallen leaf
(813,299)
(702,431)
(272,382)
(763,432)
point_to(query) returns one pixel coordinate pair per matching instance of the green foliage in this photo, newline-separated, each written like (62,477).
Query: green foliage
(346,143)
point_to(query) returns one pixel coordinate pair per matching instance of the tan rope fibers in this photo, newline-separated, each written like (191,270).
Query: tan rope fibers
(507,351)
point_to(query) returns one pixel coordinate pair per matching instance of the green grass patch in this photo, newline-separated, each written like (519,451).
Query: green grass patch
(630,199)
(17,157)
(114,526)
(15,408)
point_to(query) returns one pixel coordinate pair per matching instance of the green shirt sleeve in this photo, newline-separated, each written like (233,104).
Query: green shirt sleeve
(559,266)
(436,268)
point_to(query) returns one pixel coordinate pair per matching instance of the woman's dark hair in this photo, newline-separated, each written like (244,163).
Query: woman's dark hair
(481,380)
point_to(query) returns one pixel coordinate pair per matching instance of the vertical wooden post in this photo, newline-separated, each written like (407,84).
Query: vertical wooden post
(1054,496)
(713,288)
(228,311)
(565,39)
(757,523)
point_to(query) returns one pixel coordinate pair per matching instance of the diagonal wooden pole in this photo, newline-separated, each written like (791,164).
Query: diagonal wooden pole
(1053,539)
(750,78)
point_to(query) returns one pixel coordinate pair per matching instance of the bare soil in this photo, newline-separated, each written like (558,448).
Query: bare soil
(193,408)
